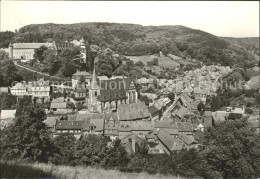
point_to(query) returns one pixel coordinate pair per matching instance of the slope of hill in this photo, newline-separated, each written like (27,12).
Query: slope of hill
(251,43)
(163,61)
(137,40)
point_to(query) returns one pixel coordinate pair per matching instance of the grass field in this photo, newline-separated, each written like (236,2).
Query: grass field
(15,170)
(40,170)
(164,61)
(179,60)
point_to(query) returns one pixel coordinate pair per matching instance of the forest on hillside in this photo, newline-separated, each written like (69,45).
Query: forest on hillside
(137,40)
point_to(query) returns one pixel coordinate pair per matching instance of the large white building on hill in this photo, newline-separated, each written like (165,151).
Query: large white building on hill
(25,51)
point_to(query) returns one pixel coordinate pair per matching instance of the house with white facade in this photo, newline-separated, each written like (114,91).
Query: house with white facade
(19,89)
(39,88)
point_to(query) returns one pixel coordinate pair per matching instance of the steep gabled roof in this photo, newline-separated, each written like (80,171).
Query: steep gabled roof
(186,139)
(19,86)
(81,73)
(111,116)
(111,95)
(141,126)
(200,91)
(127,139)
(59,105)
(172,144)
(185,126)
(70,125)
(168,125)
(181,112)
(89,116)
(111,122)
(28,45)
(199,136)
(132,111)
(98,123)
(124,126)
(153,111)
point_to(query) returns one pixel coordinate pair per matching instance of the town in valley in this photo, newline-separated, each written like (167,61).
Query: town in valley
(156,99)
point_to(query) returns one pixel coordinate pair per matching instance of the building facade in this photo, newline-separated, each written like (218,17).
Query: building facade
(25,51)
(107,95)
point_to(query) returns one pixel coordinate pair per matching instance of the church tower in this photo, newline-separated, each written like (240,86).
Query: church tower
(94,92)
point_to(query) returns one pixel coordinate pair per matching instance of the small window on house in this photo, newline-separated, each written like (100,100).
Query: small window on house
(95,93)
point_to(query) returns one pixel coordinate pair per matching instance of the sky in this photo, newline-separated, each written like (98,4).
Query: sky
(221,18)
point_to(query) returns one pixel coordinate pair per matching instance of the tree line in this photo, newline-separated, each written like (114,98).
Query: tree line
(130,39)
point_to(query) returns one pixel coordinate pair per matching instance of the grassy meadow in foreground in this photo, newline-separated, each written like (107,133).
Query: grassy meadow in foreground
(41,170)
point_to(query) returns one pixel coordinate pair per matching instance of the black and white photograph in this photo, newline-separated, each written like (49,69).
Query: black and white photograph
(129,89)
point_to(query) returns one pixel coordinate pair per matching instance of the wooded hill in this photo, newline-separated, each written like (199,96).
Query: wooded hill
(137,40)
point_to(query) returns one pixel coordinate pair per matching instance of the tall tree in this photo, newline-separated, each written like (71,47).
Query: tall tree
(65,144)
(3,55)
(38,53)
(28,137)
(7,101)
(233,150)
(91,150)
(90,58)
(117,156)
(53,64)
(9,72)
(171,96)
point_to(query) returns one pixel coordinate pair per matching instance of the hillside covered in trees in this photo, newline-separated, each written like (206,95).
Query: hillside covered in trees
(137,40)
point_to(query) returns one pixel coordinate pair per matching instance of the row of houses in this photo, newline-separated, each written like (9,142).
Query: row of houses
(131,123)
(38,88)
